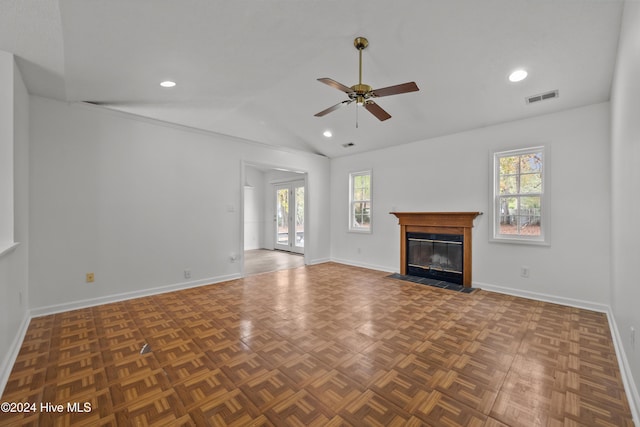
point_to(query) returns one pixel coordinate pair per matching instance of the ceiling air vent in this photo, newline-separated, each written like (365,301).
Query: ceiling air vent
(348,145)
(542,96)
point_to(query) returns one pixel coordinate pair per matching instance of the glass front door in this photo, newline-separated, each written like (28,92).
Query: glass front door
(289,216)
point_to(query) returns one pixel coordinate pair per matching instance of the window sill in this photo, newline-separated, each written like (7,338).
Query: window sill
(516,241)
(354,230)
(7,248)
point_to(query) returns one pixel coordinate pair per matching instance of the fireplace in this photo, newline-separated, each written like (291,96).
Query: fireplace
(436,245)
(435,256)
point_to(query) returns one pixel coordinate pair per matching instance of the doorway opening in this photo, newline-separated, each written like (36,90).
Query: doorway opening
(275,219)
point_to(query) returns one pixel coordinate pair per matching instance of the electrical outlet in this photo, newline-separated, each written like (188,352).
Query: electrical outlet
(524,271)
(187,274)
(90,278)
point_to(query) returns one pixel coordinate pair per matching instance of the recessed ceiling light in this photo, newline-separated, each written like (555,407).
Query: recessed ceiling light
(168,83)
(518,76)
(327,133)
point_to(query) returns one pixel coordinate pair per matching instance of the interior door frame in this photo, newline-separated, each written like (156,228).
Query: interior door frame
(304,177)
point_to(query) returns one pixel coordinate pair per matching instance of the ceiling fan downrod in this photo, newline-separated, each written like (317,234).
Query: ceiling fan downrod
(361,90)
(360,43)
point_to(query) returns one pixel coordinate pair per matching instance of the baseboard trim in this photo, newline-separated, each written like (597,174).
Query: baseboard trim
(625,369)
(365,265)
(571,302)
(14,350)
(91,302)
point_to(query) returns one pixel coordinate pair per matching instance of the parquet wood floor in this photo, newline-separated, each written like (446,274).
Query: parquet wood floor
(323,345)
(258,261)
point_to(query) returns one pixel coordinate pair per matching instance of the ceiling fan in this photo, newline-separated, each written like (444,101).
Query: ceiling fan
(363,94)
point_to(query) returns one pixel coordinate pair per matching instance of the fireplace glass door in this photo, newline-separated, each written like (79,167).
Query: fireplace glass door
(436,256)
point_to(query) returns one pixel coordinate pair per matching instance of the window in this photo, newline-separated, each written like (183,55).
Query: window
(360,201)
(519,202)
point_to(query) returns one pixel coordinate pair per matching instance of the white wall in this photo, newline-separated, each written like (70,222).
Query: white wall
(625,188)
(14,264)
(137,202)
(453,173)
(6,149)
(254,216)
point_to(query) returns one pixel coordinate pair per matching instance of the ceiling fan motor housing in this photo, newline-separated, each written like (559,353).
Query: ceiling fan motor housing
(361,88)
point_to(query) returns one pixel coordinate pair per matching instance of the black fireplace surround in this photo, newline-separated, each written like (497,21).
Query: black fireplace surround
(435,256)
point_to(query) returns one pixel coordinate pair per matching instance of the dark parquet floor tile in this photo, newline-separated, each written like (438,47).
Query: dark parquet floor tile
(322,345)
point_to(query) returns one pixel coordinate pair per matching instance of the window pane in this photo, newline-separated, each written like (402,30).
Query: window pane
(364,214)
(282,202)
(508,165)
(527,227)
(361,215)
(520,216)
(508,212)
(508,184)
(531,183)
(529,203)
(508,215)
(530,215)
(361,181)
(531,162)
(508,229)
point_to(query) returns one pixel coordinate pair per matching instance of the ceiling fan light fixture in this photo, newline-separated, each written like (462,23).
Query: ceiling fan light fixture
(363,94)
(518,76)
(167,83)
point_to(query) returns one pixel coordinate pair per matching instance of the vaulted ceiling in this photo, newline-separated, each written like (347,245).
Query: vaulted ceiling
(249,68)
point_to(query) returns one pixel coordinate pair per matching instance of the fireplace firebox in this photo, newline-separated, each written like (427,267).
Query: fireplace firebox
(436,245)
(436,256)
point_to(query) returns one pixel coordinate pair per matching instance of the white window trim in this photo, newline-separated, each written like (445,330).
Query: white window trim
(544,238)
(351,228)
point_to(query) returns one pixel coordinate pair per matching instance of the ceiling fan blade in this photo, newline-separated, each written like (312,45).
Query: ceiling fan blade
(333,108)
(395,90)
(377,111)
(335,84)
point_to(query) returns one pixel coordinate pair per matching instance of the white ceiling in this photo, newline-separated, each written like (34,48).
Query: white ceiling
(248,68)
